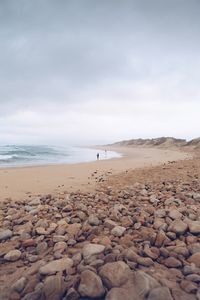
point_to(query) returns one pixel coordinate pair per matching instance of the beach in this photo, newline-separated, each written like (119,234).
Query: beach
(22,182)
(133,230)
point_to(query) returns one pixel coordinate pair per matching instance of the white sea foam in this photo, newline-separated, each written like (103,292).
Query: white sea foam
(23,155)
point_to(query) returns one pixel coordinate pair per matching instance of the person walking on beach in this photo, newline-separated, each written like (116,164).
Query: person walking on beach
(97,156)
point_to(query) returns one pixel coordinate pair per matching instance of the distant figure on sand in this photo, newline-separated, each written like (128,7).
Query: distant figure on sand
(97,156)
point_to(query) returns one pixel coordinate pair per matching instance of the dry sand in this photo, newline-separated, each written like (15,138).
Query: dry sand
(18,183)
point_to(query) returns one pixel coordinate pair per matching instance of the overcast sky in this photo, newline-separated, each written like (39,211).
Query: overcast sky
(93,71)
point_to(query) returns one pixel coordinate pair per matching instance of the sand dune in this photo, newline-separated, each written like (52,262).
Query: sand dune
(162,142)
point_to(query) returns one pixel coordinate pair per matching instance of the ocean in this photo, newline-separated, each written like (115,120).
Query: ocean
(26,155)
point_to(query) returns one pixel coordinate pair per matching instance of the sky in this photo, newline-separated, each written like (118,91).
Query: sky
(85,72)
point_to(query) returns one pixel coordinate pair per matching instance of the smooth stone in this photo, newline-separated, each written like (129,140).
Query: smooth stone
(56,266)
(93,220)
(60,246)
(115,274)
(35,295)
(118,231)
(145,261)
(189,286)
(137,288)
(160,238)
(174,214)
(195,258)
(160,213)
(5,234)
(194,227)
(193,277)
(110,224)
(41,231)
(194,248)
(35,202)
(172,262)
(41,247)
(178,226)
(20,284)
(92,249)
(13,255)
(144,283)
(179,294)
(60,238)
(123,293)
(73,229)
(160,293)
(91,285)
(54,287)
(72,294)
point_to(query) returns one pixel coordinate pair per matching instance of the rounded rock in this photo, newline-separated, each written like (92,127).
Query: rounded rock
(91,285)
(5,234)
(13,255)
(115,274)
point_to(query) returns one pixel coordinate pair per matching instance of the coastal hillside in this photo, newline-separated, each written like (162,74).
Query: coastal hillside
(161,142)
(195,143)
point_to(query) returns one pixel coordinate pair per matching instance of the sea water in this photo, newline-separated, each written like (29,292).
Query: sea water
(26,155)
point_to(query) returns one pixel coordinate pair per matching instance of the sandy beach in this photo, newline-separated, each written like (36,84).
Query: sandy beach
(138,218)
(22,182)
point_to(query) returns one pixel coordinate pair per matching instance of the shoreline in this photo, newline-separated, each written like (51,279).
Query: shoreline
(30,181)
(114,154)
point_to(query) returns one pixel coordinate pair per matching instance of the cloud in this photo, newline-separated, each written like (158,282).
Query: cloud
(94,71)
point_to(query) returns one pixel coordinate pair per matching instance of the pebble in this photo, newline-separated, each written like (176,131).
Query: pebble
(194,227)
(54,287)
(20,284)
(5,234)
(172,262)
(91,285)
(92,249)
(13,255)
(56,266)
(118,231)
(115,274)
(195,259)
(178,226)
